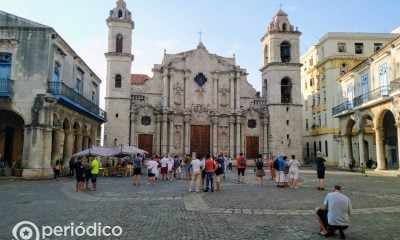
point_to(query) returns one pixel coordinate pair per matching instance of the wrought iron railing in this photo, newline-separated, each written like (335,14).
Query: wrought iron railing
(367,97)
(6,87)
(341,108)
(59,88)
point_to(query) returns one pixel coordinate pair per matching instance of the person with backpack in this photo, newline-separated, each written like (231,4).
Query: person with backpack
(210,168)
(87,172)
(241,167)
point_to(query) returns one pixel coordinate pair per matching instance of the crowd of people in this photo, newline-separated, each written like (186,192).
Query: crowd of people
(201,171)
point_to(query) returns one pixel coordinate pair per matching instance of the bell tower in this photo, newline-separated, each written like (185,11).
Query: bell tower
(282,86)
(118,80)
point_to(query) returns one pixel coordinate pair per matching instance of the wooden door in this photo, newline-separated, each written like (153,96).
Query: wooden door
(145,142)
(252,147)
(200,139)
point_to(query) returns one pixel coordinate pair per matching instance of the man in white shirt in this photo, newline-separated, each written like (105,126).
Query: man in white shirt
(196,165)
(151,171)
(336,213)
(164,167)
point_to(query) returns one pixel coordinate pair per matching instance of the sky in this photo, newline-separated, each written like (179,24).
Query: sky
(229,26)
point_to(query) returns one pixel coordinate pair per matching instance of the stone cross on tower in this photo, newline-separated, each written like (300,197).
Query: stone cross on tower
(200,33)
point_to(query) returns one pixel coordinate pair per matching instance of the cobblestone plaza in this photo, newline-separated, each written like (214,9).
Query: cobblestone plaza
(168,211)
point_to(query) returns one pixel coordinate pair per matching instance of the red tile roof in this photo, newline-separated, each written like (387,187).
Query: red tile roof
(139,78)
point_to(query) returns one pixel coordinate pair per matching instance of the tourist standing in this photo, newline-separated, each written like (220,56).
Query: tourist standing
(210,168)
(79,175)
(177,167)
(294,166)
(335,214)
(71,167)
(57,170)
(137,169)
(196,165)
(221,160)
(241,167)
(87,171)
(229,162)
(271,168)
(218,173)
(164,167)
(280,176)
(94,172)
(319,161)
(151,171)
(170,165)
(260,173)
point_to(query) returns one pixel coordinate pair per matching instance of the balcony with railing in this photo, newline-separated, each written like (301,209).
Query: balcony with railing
(74,100)
(381,92)
(260,103)
(6,88)
(342,108)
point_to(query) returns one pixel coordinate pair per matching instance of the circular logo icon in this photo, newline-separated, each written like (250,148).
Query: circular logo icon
(25,230)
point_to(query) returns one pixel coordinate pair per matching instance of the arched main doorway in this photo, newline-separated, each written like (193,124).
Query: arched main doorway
(11,137)
(390,145)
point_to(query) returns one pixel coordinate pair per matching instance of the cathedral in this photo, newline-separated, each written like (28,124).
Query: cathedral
(197,102)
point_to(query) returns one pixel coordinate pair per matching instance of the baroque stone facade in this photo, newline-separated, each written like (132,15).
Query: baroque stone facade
(199,102)
(48,98)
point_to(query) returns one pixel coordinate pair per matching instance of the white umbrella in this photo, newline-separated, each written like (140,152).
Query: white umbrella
(94,151)
(126,150)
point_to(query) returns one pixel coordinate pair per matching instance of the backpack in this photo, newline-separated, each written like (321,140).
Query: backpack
(275,165)
(242,162)
(286,168)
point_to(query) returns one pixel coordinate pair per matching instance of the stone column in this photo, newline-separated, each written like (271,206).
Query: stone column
(215,91)
(85,144)
(361,147)
(380,153)
(78,142)
(165,91)
(232,94)
(187,134)
(237,90)
(68,146)
(242,137)
(158,134)
(164,135)
(47,170)
(171,136)
(214,135)
(231,137)
(265,135)
(58,145)
(238,135)
(398,144)
(348,149)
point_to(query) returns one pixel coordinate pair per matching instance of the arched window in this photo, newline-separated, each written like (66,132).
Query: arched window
(285,51)
(284,27)
(118,81)
(119,13)
(119,43)
(286,90)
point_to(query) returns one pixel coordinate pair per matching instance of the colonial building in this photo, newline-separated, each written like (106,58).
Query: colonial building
(323,64)
(49,98)
(369,113)
(199,102)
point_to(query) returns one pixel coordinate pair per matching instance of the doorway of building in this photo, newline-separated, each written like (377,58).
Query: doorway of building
(145,142)
(200,139)
(252,147)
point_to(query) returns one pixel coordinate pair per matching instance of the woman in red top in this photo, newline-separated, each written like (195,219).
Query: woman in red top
(241,167)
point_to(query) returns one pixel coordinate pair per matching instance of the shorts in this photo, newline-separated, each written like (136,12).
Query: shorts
(150,174)
(164,170)
(241,171)
(94,178)
(294,175)
(80,178)
(321,174)
(280,176)
(137,171)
